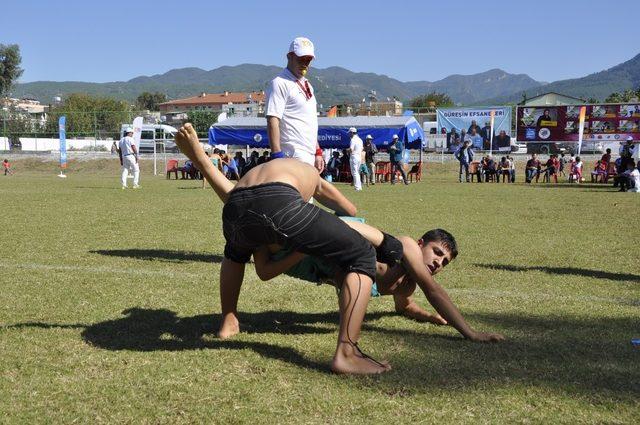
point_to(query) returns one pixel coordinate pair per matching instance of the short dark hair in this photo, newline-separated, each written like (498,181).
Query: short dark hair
(444,237)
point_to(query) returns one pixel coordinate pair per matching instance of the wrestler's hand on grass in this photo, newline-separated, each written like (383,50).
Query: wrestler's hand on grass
(485,337)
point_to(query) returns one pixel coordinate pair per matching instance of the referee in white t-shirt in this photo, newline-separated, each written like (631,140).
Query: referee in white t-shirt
(292,120)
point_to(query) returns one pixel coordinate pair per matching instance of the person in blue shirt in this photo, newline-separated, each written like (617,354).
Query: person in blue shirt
(395,157)
(464,154)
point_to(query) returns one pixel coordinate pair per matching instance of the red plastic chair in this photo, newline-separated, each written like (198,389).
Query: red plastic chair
(416,170)
(383,171)
(172,167)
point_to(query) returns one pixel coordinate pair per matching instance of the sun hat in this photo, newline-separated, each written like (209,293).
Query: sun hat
(302,46)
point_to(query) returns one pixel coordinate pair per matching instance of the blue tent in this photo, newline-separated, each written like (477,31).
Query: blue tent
(332,132)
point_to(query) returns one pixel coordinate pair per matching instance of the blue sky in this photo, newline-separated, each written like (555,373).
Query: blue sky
(407,40)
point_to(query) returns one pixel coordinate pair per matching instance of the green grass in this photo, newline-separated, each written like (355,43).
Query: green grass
(109,306)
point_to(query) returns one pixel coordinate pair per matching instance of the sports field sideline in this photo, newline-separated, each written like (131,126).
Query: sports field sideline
(109,307)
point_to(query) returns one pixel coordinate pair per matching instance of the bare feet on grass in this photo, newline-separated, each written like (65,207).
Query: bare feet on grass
(349,360)
(229,327)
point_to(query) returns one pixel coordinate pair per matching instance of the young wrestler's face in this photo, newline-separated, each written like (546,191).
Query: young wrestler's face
(435,256)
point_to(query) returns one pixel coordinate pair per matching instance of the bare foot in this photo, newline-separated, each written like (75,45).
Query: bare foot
(187,140)
(229,327)
(348,360)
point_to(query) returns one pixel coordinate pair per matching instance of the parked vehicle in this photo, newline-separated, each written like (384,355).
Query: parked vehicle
(160,135)
(546,148)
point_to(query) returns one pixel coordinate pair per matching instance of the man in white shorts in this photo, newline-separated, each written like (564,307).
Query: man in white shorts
(355,147)
(292,120)
(129,159)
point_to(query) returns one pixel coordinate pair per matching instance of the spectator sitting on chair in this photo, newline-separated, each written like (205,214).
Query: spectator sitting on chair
(489,168)
(464,154)
(251,162)
(533,169)
(551,170)
(264,158)
(345,156)
(230,165)
(600,170)
(333,166)
(240,162)
(187,170)
(630,179)
(504,170)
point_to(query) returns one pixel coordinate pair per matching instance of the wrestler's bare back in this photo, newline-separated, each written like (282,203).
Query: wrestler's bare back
(301,176)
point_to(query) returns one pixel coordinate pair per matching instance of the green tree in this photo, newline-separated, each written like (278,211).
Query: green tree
(150,101)
(202,120)
(623,97)
(10,69)
(432,99)
(89,116)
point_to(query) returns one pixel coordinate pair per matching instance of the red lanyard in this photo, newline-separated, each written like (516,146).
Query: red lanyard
(305,89)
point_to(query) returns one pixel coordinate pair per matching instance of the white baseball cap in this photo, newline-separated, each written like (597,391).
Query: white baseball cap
(353,130)
(629,139)
(395,136)
(128,130)
(369,136)
(302,46)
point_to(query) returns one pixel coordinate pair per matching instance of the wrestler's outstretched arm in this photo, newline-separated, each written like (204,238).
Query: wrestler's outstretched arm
(189,144)
(437,296)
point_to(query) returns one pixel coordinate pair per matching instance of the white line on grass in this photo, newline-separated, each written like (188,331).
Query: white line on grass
(100,269)
(482,293)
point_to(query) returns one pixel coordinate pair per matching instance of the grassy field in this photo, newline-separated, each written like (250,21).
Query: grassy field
(109,306)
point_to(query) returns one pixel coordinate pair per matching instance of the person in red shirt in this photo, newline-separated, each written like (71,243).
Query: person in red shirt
(7,167)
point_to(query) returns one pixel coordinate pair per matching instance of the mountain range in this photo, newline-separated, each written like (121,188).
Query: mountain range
(335,85)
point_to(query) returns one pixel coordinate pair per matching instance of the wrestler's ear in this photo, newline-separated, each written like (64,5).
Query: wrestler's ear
(420,243)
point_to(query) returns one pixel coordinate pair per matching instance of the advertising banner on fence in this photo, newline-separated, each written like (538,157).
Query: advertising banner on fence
(63,141)
(456,120)
(602,123)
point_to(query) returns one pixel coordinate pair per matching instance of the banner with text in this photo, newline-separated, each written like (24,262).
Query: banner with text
(476,123)
(602,123)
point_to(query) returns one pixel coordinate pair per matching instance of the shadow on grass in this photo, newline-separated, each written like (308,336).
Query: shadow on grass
(162,330)
(588,356)
(161,255)
(599,274)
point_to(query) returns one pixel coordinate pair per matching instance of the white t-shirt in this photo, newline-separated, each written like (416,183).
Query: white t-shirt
(125,145)
(356,146)
(635,175)
(287,100)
